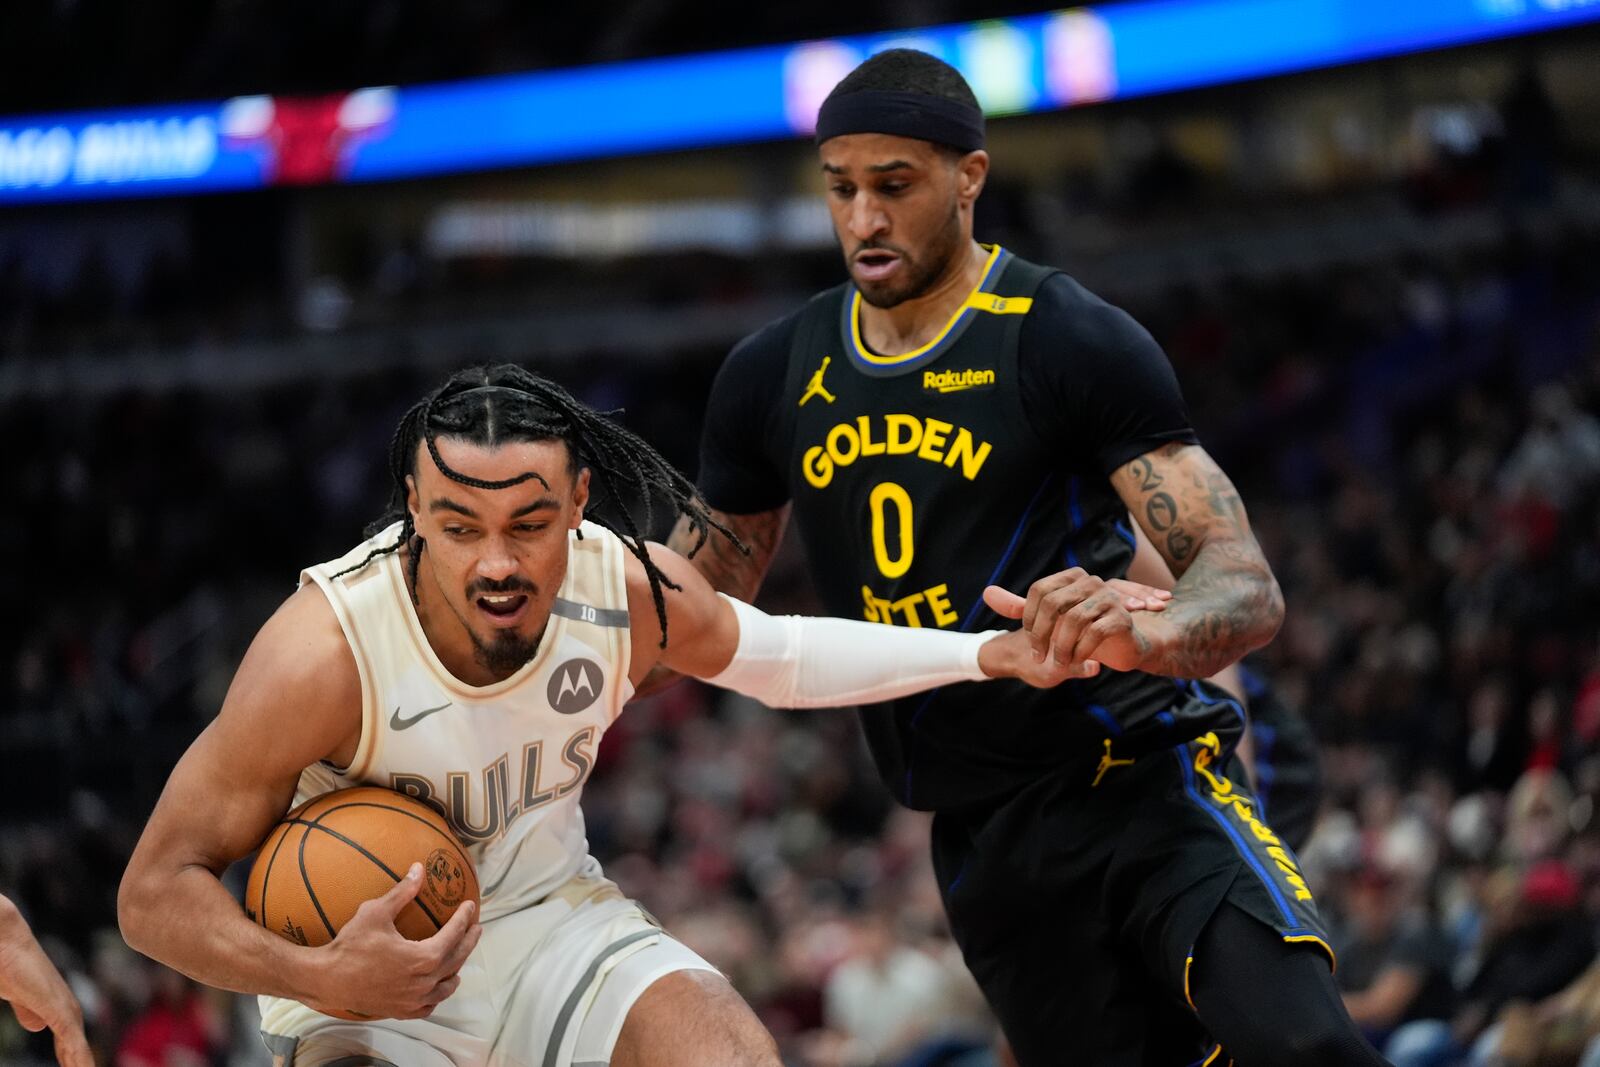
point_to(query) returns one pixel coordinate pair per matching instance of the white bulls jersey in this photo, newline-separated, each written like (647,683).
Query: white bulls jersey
(506,762)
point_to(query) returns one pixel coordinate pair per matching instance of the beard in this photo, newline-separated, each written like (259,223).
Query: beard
(504,653)
(920,273)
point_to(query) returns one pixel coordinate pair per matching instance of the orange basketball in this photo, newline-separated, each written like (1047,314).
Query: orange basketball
(338,850)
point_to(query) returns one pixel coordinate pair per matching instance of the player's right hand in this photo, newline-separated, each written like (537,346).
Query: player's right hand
(371,968)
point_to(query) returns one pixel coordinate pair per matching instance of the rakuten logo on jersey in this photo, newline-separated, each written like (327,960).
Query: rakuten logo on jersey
(107,153)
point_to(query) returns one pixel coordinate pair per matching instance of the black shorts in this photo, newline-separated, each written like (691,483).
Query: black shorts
(1288,772)
(1077,905)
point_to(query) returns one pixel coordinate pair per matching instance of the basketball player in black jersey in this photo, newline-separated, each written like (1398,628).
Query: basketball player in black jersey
(955,419)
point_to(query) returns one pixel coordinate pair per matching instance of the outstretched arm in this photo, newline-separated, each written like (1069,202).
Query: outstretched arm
(792,661)
(728,568)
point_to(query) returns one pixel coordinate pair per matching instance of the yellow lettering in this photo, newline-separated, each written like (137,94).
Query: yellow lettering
(961,450)
(848,433)
(1262,833)
(939,604)
(1278,855)
(907,606)
(876,608)
(818,468)
(907,611)
(903,435)
(869,447)
(905,432)
(933,432)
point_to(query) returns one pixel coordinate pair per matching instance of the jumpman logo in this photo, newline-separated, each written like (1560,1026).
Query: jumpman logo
(814,388)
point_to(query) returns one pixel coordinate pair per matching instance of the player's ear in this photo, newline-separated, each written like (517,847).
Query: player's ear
(580,496)
(413,504)
(971,173)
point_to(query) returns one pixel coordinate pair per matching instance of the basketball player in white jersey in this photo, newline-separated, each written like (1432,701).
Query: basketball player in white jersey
(471,654)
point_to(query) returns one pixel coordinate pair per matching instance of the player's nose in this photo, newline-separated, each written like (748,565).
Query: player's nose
(867,218)
(497,563)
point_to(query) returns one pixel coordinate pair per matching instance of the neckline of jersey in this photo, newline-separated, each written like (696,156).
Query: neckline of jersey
(552,636)
(873,363)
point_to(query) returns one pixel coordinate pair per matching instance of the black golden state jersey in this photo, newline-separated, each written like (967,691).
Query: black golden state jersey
(918,479)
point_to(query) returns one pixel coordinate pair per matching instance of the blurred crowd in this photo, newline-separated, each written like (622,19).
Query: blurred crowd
(1417,437)
(1419,445)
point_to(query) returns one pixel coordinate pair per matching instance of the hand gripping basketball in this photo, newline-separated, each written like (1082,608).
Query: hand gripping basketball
(370,970)
(334,873)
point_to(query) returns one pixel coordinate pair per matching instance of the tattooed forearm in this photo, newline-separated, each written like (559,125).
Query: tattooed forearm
(728,569)
(1226,602)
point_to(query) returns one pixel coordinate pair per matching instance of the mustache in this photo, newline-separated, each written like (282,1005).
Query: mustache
(487,587)
(879,246)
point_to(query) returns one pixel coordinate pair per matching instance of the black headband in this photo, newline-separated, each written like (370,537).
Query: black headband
(916,115)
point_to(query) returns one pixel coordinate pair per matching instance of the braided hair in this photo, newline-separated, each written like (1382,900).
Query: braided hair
(494,405)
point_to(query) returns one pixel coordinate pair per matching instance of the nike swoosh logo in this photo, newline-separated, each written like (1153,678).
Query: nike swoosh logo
(397,723)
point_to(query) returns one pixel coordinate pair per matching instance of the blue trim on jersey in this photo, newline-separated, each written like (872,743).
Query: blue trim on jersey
(1167,718)
(1180,753)
(1011,548)
(1194,688)
(962,873)
(1112,726)
(972,614)
(1125,533)
(1074,523)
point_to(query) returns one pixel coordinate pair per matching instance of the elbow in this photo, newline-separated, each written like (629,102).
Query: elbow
(1272,616)
(131,911)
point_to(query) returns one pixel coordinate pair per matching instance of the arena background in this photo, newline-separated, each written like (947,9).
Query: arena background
(1379,281)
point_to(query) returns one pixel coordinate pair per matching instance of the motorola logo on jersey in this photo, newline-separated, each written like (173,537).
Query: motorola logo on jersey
(575,685)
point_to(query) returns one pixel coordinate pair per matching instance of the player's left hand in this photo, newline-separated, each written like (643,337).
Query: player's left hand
(1073,617)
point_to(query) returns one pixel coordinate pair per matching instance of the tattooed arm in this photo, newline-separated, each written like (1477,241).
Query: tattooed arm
(1149,568)
(1225,603)
(739,574)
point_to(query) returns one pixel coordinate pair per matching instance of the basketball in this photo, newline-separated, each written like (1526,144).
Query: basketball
(335,851)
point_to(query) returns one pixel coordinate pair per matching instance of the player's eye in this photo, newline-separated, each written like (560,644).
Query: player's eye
(530,527)
(457,531)
(893,188)
(843,192)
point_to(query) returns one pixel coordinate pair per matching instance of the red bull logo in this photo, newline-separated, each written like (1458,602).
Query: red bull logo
(308,140)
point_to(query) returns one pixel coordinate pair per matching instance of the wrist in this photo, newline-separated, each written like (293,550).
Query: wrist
(307,972)
(1153,634)
(984,658)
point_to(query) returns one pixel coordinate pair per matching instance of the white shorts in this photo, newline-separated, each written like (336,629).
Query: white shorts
(548,986)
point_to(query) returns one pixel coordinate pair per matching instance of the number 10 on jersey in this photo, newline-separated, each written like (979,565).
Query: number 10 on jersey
(890,505)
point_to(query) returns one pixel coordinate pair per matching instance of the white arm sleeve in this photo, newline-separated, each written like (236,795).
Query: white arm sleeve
(791,661)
